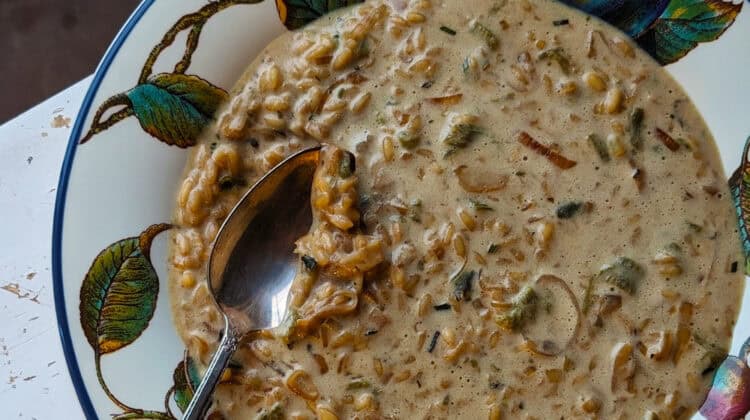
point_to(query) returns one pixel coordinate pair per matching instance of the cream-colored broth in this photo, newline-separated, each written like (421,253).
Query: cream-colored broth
(529,99)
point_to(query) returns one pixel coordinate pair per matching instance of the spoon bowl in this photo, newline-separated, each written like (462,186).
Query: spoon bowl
(252,263)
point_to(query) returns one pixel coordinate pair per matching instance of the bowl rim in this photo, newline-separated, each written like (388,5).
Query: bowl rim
(63,326)
(64,331)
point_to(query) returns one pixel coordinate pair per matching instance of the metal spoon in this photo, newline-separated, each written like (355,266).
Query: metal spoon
(252,263)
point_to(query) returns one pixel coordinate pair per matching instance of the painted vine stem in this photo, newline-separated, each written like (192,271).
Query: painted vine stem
(194,22)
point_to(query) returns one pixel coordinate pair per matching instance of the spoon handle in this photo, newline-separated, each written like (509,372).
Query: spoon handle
(201,401)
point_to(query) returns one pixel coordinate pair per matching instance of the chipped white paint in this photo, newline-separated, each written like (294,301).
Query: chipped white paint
(34,381)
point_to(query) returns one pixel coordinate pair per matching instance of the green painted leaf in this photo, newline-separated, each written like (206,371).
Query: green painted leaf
(298,13)
(745,351)
(186,379)
(632,16)
(729,396)
(175,107)
(118,294)
(739,185)
(684,24)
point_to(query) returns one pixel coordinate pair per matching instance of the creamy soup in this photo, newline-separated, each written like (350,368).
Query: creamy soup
(518,214)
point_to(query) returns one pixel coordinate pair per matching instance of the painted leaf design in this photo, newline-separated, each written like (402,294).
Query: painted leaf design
(684,24)
(745,351)
(175,107)
(298,13)
(739,185)
(118,294)
(186,379)
(729,397)
(632,16)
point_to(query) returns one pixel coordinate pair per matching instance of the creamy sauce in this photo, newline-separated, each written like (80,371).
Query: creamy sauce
(553,221)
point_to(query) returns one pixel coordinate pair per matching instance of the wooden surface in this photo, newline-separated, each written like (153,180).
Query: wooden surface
(47,45)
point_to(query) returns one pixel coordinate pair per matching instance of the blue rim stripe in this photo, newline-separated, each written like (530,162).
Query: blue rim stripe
(62,189)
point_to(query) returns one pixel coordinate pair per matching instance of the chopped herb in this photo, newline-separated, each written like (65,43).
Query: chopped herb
(713,356)
(442,307)
(254,142)
(274,413)
(450,152)
(733,269)
(227,182)
(557,54)
(523,309)
(213,145)
(462,285)
(493,248)
(560,22)
(474,363)
(460,134)
(347,165)
(546,300)
(695,228)
(340,93)
(568,364)
(433,342)
(364,49)
(309,262)
(427,84)
(588,295)
(673,248)
(379,118)
(684,143)
(479,206)
(415,210)
(636,126)
(495,384)
(568,210)
(599,146)
(286,327)
(701,340)
(465,65)
(407,139)
(447,30)
(370,332)
(486,34)
(623,273)
(712,360)
(359,383)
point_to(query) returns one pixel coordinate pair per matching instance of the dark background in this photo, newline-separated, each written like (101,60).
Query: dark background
(47,45)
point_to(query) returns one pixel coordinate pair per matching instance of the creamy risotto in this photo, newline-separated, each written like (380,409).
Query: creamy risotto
(517,214)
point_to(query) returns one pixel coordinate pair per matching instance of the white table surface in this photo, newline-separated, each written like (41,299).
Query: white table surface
(34,381)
